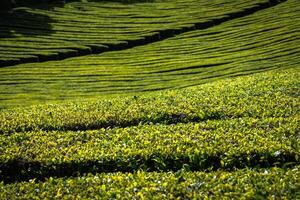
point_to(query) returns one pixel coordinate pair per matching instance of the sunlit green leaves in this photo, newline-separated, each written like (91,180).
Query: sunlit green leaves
(222,125)
(272,183)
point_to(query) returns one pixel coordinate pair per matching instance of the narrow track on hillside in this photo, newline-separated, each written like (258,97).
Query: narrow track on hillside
(157,37)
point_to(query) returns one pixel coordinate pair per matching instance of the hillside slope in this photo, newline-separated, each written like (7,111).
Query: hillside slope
(202,102)
(51,32)
(237,138)
(250,44)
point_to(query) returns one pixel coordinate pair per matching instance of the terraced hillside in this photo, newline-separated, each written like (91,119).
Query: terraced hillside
(254,43)
(50,32)
(188,100)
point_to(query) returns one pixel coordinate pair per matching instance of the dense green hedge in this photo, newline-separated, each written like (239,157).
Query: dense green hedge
(272,183)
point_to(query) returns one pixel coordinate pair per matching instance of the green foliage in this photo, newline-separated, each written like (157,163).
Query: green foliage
(226,144)
(258,42)
(248,121)
(58,31)
(272,183)
(272,94)
(233,138)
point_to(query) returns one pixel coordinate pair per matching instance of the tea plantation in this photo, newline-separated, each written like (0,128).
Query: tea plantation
(49,32)
(254,43)
(150,100)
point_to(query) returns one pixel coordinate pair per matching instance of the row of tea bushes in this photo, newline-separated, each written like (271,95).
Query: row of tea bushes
(271,183)
(214,144)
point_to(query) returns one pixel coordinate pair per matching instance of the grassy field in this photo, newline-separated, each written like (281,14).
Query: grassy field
(177,100)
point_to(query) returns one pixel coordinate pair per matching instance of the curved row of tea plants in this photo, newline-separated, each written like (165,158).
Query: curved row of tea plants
(258,42)
(49,32)
(273,183)
(214,144)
